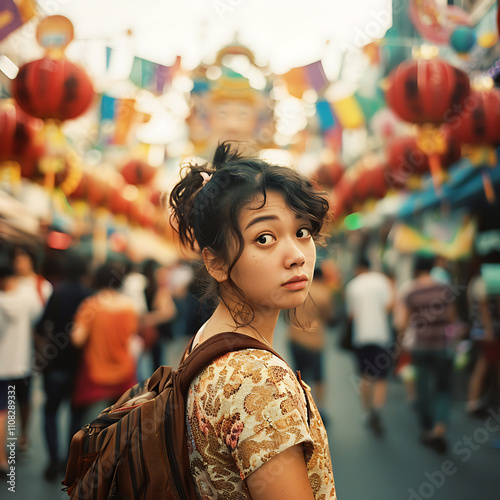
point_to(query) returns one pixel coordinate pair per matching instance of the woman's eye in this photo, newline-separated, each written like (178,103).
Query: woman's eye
(264,239)
(304,232)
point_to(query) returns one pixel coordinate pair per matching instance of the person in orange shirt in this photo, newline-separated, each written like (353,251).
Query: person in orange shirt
(104,326)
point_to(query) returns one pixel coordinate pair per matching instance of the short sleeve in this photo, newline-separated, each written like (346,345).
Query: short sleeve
(264,408)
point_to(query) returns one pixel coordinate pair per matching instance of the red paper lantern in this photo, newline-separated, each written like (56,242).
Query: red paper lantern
(98,192)
(143,213)
(92,189)
(427,91)
(479,122)
(329,174)
(117,203)
(155,197)
(53,89)
(19,135)
(138,172)
(405,159)
(342,196)
(370,184)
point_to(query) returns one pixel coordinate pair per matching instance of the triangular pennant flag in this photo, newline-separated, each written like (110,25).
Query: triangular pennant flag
(325,115)
(108,56)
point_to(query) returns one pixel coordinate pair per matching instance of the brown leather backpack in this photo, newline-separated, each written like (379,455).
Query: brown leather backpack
(137,448)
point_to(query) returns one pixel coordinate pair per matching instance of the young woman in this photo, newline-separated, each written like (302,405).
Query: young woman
(253,428)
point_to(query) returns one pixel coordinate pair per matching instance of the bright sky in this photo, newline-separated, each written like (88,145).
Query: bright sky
(282,33)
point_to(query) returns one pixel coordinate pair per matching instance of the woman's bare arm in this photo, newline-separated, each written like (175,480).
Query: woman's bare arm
(79,335)
(284,477)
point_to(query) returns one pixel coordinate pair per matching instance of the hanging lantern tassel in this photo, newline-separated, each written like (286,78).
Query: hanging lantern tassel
(432,142)
(484,158)
(10,171)
(70,182)
(54,159)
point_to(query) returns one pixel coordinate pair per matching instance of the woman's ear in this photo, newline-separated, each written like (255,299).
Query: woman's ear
(215,268)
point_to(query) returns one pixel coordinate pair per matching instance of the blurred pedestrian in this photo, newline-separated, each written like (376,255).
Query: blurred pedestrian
(104,326)
(369,300)
(26,267)
(308,348)
(133,286)
(483,294)
(197,307)
(427,314)
(58,358)
(161,310)
(20,307)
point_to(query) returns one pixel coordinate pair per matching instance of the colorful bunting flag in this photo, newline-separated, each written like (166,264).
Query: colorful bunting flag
(107,108)
(315,75)
(152,76)
(109,50)
(312,76)
(325,115)
(13,14)
(370,105)
(349,112)
(121,113)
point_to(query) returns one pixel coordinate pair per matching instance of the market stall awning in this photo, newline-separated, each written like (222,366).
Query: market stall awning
(464,187)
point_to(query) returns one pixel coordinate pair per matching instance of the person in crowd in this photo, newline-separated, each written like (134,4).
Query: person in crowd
(483,293)
(161,310)
(255,225)
(428,311)
(133,286)
(103,328)
(26,267)
(57,357)
(25,264)
(198,307)
(308,350)
(20,307)
(369,300)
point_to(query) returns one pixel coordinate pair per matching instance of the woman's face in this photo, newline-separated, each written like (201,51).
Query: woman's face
(276,267)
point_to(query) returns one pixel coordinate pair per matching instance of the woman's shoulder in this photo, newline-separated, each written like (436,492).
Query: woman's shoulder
(252,359)
(251,366)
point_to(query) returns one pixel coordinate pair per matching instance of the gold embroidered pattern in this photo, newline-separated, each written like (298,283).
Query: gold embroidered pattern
(242,410)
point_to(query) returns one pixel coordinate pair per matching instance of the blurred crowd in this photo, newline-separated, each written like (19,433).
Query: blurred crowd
(87,329)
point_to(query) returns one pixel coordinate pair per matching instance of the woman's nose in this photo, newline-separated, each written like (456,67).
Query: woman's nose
(294,256)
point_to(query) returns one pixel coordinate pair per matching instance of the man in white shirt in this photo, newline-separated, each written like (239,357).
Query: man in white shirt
(369,300)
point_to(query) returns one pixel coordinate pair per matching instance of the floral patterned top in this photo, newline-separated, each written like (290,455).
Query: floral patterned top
(242,410)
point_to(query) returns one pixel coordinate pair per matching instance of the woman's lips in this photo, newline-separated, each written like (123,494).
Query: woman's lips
(297,283)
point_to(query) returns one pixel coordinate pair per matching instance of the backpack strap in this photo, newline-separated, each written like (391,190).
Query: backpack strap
(204,354)
(213,348)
